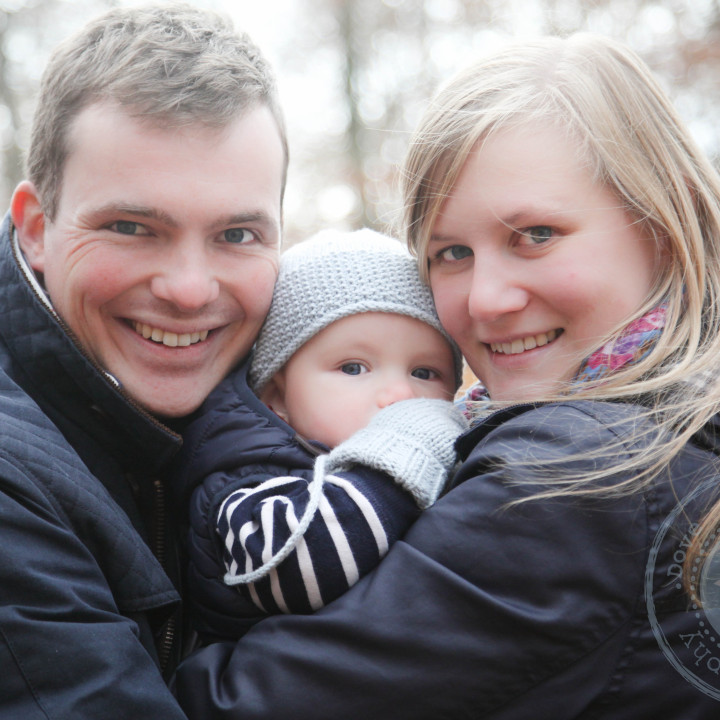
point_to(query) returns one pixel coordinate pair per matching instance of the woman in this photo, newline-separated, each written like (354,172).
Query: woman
(570,232)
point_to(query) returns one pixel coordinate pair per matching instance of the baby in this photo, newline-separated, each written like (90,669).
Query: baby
(307,465)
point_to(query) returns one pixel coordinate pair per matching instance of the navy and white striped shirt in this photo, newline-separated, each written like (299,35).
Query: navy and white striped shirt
(350,531)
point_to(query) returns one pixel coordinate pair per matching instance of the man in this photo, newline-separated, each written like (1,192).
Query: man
(136,267)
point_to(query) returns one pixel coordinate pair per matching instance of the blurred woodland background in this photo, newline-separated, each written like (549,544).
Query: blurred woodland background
(354,76)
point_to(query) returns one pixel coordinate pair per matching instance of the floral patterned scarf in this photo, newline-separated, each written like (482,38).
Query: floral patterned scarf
(633,345)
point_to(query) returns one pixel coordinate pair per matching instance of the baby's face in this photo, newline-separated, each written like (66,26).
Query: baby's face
(356,366)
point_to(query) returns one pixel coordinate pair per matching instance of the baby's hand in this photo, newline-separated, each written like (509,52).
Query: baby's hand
(412,440)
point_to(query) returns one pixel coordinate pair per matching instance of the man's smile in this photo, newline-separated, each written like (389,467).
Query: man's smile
(170,339)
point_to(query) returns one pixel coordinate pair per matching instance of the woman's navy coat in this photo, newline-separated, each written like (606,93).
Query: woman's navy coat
(555,608)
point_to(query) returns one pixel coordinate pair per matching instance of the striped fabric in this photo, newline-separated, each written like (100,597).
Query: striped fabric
(345,538)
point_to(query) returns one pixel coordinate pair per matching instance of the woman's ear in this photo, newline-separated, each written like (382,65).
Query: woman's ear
(29,220)
(273,395)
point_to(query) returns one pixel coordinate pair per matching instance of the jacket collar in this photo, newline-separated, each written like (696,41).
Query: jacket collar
(51,365)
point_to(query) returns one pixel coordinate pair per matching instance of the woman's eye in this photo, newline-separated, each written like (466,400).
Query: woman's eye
(128,227)
(353,368)
(424,374)
(538,234)
(454,253)
(238,235)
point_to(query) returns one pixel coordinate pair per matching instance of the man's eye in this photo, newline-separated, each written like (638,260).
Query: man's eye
(424,373)
(538,234)
(353,368)
(238,235)
(128,227)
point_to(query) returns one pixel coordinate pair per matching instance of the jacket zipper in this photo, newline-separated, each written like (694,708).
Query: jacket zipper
(167,638)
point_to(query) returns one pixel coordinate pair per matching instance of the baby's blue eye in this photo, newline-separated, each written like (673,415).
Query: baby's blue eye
(423,373)
(353,368)
(238,235)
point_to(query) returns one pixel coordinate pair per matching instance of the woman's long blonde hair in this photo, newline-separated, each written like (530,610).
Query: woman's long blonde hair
(630,136)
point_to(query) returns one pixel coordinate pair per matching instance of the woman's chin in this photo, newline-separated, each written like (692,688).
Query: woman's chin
(525,391)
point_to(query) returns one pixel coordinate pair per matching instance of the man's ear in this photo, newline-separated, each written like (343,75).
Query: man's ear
(273,395)
(29,220)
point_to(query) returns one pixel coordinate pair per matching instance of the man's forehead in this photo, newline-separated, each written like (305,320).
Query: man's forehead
(107,136)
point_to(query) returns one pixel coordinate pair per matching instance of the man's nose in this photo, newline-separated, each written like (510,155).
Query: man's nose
(186,277)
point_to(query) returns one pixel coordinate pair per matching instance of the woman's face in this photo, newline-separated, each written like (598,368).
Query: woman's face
(531,262)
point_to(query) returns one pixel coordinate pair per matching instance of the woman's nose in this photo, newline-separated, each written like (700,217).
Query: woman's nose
(495,290)
(186,278)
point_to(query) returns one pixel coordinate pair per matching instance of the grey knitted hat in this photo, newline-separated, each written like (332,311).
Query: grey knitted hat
(331,276)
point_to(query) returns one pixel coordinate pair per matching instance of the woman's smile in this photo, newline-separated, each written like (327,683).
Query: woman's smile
(521,345)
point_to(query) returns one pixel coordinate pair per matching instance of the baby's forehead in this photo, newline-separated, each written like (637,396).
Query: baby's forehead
(383,331)
(382,319)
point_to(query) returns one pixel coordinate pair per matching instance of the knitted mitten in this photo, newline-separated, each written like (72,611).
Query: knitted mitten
(412,441)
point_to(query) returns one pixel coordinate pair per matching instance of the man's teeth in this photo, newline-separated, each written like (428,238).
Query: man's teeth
(170,339)
(528,343)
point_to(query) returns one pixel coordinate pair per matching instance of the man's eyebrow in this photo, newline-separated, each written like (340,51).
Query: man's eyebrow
(257,217)
(142,211)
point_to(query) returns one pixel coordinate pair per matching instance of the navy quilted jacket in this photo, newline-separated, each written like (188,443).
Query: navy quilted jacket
(552,609)
(83,600)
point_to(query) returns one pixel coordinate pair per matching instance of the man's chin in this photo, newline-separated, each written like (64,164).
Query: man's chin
(169,400)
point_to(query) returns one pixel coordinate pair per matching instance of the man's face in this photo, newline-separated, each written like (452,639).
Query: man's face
(163,254)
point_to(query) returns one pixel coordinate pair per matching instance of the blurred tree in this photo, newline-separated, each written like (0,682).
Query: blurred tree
(28,30)
(382,61)
(9,117)
(356,74)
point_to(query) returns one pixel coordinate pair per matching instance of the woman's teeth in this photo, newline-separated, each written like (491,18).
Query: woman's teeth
(170,339)
(529,343)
